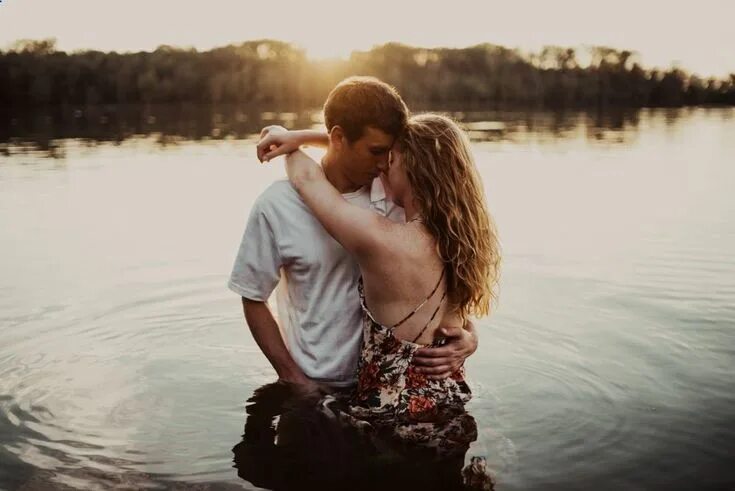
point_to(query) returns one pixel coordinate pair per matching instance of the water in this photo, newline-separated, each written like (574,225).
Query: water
(125,361)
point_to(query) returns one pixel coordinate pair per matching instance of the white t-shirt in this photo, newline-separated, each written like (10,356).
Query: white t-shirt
(318,303)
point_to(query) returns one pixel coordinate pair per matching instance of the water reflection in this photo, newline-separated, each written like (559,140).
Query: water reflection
(168,124)
(45,132)
(294,440)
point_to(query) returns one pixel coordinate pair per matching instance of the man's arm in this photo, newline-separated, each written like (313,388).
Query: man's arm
(441,362)
(255,274)
(267,334)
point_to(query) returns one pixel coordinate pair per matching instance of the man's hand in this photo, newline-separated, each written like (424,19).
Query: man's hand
(439,363)
(276,140)
(303,386)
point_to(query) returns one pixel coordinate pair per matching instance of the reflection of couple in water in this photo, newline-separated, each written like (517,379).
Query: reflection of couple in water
(297,441)
(380,255)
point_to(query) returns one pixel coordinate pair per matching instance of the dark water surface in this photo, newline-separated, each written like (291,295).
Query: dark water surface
(609,364)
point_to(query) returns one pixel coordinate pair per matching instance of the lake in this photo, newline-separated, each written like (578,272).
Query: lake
(609,361)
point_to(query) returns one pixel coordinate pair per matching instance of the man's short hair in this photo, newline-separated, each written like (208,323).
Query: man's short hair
(357,102)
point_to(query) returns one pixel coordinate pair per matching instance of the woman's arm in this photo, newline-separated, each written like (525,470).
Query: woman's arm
(359,230)
(277,140)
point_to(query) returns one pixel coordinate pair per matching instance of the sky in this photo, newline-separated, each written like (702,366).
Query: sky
(697,36)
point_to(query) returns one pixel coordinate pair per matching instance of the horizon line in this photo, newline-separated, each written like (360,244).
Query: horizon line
(673,64)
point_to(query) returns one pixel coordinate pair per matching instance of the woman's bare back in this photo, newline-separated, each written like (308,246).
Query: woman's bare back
(400,276)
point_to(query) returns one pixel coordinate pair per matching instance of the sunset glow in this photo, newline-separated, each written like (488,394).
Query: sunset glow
(664,33)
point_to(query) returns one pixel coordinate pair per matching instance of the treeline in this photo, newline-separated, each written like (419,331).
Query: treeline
(277,74)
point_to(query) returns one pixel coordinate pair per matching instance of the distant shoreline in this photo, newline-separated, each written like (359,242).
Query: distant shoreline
(268,73)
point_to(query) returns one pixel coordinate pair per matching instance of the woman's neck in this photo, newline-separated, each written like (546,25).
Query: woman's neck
(410,209)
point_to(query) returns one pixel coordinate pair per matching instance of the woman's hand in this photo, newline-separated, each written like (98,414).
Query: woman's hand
(439,363)
(276,141)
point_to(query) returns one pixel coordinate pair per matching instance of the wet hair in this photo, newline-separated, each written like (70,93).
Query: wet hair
(358,102)
(449,195)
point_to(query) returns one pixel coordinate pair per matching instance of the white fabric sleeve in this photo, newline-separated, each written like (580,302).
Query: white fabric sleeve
(256,271)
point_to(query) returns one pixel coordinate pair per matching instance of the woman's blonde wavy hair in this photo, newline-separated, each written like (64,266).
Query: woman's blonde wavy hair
(449,195)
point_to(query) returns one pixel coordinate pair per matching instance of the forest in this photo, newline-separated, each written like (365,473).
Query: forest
(269,73)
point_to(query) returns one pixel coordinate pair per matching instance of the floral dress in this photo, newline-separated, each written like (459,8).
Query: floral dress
(391,396)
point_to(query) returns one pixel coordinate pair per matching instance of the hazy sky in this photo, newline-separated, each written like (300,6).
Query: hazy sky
(697,35)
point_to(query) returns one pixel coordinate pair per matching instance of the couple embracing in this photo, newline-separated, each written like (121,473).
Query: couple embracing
(380,255)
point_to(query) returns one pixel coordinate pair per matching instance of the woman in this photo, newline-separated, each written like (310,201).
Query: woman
(437,268)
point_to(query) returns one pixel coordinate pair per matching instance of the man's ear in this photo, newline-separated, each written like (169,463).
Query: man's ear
(337,137)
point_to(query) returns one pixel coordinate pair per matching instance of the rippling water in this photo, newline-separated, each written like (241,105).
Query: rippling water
(125,361)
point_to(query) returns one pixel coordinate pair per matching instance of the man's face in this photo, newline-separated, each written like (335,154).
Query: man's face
(363,158)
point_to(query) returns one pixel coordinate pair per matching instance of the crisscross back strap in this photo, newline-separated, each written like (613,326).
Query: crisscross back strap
(423,303)
(432,317)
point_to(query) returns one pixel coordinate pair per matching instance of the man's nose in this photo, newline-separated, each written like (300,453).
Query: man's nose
(382,164)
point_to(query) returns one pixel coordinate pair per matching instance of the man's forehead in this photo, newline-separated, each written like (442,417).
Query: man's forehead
(375,137)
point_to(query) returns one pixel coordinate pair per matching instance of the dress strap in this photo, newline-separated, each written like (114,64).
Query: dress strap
(432,317)
(422,303)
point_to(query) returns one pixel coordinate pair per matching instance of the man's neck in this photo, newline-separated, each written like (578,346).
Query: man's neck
(336,176)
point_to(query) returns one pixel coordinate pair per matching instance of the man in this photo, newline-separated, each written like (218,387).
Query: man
(284,246)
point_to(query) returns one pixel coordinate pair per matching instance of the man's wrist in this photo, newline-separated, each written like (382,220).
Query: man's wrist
(294,375)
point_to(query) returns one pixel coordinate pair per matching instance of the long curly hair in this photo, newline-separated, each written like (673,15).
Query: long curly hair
(449,194)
